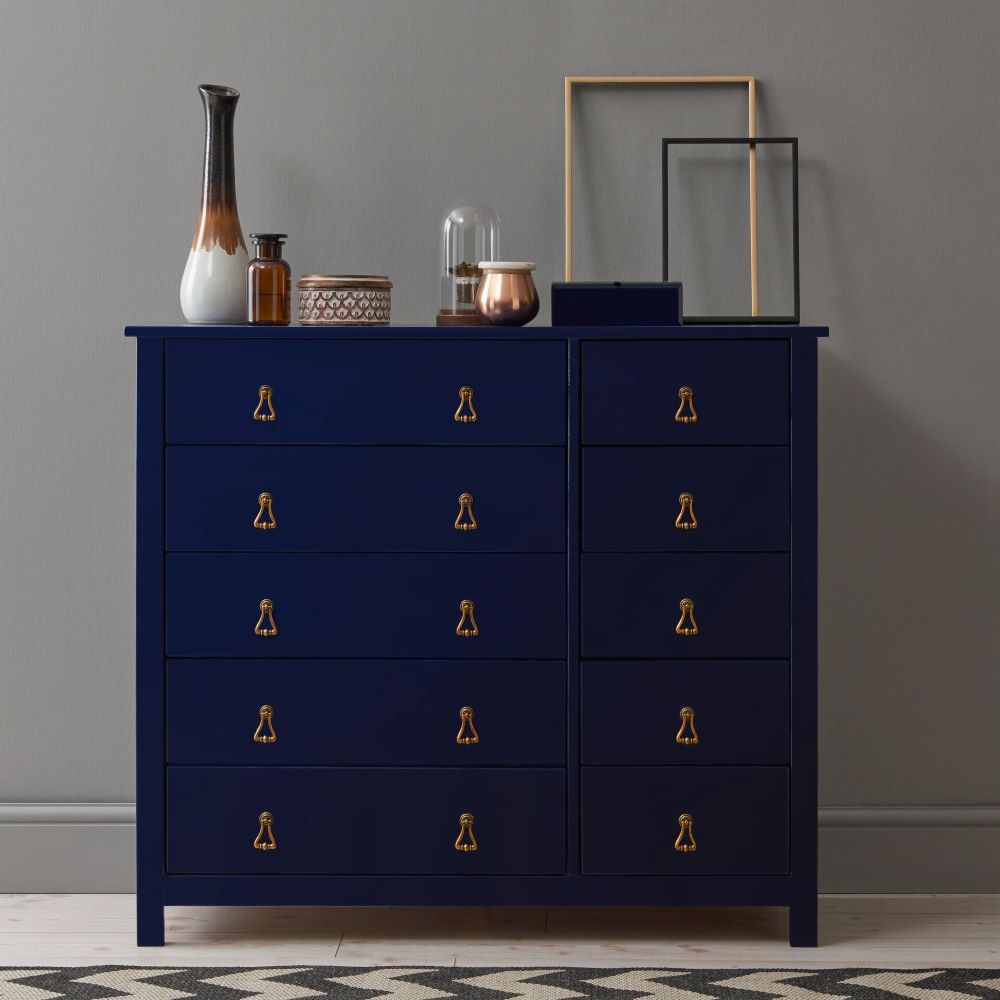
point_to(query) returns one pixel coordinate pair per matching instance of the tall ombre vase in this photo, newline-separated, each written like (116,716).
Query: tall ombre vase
(214,285)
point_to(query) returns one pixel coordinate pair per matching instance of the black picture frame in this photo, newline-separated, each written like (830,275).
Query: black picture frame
(750,144)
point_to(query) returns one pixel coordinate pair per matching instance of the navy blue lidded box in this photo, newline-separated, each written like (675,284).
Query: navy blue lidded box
(616,303)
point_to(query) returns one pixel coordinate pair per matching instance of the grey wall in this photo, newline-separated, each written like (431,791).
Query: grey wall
(359,122)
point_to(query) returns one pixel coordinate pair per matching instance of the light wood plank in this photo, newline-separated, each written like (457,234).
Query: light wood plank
(930,903)
(877,931)
(472,922)
(184,949)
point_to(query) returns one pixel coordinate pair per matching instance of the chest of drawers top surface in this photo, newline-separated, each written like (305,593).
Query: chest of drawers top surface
(500,334)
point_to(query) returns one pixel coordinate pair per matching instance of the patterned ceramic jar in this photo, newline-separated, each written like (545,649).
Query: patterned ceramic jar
(344,300)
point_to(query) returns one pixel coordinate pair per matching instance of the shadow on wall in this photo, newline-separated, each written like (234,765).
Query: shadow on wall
(822,227)
(908,630)
(908,526)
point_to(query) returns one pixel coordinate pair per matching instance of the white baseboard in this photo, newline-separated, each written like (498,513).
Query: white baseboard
(67,813)
(90,847)
(67,847)
(909,848)
(910,817)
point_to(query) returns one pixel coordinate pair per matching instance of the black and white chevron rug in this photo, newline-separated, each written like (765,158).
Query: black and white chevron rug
(113,982)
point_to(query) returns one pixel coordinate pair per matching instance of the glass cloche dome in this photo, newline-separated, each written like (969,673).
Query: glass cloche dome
(470,234)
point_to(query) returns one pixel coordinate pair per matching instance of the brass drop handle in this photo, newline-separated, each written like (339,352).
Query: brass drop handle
(686,625)
(264,841)
(265,519)
(265,392)
(467,734)
(466,412)
(466,839)
(686,413)
(687,735)
(685,842)
(266,613)
(686,520)
(467,626)
(466,520)
(266,723)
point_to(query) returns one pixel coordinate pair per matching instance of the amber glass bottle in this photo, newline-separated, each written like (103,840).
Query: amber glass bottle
(269,282)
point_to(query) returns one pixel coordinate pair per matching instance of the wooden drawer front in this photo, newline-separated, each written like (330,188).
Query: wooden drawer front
(367,712)
(366,499)
(736,499)
(632,712)
(631,605)
(367,605)
(366,392)
(631,820)
(371,821)
(630,392)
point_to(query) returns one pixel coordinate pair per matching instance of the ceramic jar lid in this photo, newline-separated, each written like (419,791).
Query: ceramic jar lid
(340,281)
(506,265)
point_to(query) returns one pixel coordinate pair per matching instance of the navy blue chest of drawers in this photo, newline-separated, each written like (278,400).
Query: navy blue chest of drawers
(477,617)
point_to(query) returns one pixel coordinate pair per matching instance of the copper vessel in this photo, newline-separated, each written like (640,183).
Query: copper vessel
(507,295)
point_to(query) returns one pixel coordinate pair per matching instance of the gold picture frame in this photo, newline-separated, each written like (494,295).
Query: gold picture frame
(750,82)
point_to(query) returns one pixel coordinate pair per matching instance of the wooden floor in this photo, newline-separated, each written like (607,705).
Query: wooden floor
(886,931)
